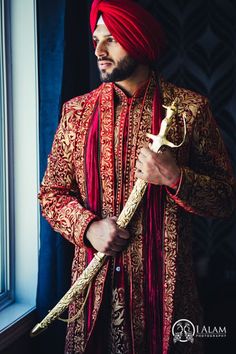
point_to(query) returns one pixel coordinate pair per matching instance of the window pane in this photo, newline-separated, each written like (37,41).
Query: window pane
(2,251)
(4,220)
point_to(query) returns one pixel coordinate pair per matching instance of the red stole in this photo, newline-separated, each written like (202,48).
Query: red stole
(152,243)
(153,253)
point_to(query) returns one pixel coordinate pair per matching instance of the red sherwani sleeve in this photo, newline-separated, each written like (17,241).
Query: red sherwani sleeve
(207,185)
(59,195)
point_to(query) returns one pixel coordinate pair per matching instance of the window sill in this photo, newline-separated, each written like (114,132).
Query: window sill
(16,320)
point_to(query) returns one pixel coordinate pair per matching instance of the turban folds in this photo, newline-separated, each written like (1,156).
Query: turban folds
(133,27)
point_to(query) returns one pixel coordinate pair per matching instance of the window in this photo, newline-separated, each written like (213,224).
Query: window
(19,180)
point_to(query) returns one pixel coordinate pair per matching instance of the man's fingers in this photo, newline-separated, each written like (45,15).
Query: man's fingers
(120,232)
(120,241)
(123,234)
(110,253)
(114,248)
(142,158)
(139,165)
(139,174)
(145,151)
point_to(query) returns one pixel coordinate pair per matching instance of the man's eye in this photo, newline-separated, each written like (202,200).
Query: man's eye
(111,39)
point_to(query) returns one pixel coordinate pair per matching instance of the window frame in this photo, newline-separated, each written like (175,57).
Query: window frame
(7,251)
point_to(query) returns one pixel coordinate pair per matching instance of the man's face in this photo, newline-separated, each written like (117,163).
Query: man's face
(114,62)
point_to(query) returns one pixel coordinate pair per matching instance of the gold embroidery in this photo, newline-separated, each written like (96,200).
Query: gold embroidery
(107,150)
(119,342)
(82,125)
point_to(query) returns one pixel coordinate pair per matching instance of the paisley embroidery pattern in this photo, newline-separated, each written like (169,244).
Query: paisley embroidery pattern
(107,150)
(119,343)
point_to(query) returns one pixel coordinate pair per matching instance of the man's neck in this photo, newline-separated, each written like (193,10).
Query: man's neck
(136,80)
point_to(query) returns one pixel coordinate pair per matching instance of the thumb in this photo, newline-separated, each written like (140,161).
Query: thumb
(114,218)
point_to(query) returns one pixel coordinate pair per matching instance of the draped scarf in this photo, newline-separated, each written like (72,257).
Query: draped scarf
(152,238)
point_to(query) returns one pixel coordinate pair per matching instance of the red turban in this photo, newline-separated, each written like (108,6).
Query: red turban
(133,27)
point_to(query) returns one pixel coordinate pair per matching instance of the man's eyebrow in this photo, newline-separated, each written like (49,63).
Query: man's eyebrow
(107,35)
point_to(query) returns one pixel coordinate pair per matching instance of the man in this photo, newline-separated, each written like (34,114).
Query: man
(99,151)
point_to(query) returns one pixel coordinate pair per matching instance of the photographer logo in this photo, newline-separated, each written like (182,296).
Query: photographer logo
(184,331)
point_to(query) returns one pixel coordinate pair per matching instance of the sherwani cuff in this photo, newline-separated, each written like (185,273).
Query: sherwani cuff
(81,226)
(183,194)
(174,192)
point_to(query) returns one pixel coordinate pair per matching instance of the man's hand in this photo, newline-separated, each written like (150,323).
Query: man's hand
(106,237)
(157,168)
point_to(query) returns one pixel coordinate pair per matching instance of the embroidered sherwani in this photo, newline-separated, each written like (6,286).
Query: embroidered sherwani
(116,309)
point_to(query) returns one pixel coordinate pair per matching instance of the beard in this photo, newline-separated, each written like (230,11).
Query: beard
(124,69)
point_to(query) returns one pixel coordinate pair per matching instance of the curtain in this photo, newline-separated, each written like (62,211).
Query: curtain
(64,66)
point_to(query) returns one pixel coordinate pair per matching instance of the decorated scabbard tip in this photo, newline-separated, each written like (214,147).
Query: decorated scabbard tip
(36,330)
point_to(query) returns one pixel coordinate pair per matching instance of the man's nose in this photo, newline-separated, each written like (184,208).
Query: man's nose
(101,50)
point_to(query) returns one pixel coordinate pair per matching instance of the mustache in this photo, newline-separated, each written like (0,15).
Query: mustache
(105,59)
